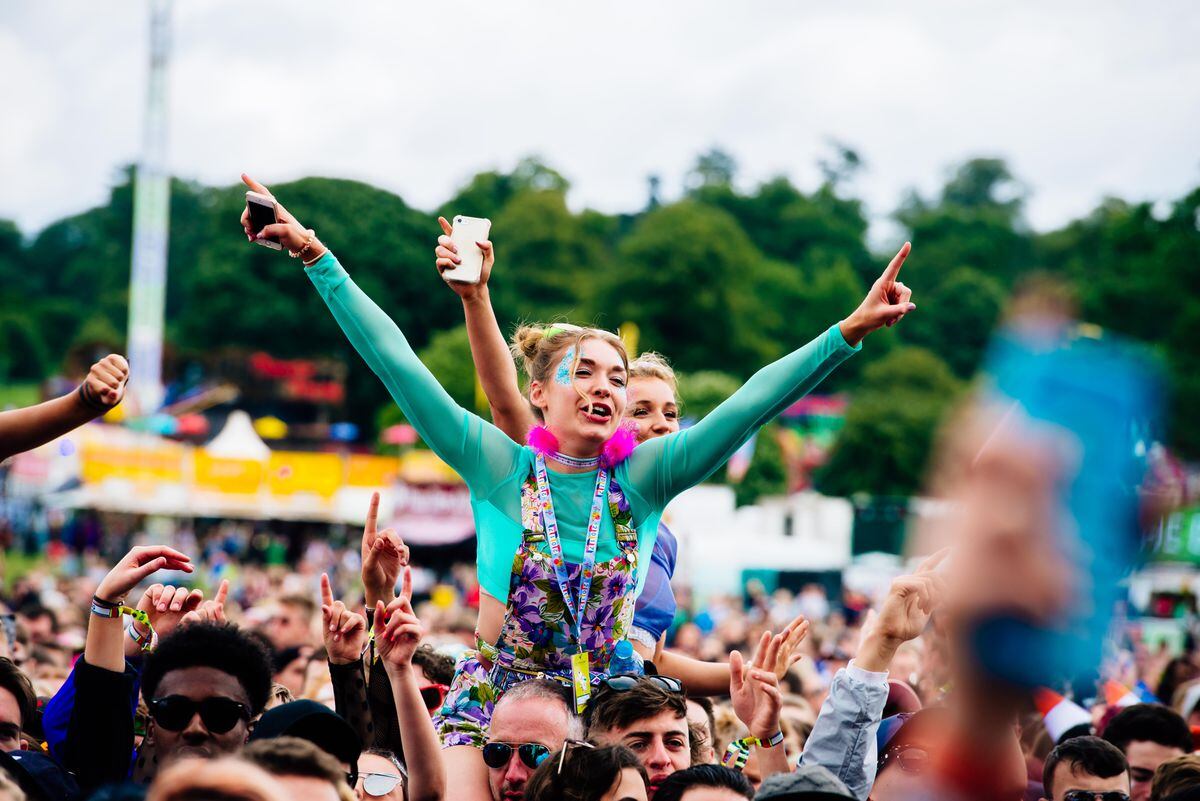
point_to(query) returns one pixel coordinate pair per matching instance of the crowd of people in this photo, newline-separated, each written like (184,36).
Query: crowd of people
(568,663)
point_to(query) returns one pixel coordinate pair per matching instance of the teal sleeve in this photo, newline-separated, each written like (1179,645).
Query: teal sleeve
(479,451)
(662,468)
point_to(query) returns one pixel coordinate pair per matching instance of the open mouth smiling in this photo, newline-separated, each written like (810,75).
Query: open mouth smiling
(597,412)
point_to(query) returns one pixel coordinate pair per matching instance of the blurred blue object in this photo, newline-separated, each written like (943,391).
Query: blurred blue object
(343,432)
(1103,394)
(163,424)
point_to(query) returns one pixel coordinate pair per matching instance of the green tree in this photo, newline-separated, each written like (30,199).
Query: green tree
(715,168)
(890,424)
(956,317)
(767,474)
(704,390)
(488,192)
(448,357)
(547,260)
(686,280)
(975,223)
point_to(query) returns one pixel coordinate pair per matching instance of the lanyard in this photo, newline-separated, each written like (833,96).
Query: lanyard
(574,606)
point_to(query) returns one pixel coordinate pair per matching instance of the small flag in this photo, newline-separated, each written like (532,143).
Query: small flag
(1059,714)
(1118,695)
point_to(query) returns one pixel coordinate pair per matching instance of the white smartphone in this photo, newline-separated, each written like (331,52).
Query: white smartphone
(262,214)
(467,231)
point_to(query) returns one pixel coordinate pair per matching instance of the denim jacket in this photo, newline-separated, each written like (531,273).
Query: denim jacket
(843,737)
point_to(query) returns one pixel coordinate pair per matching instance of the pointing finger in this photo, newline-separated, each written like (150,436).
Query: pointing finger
(933,561)
(406,586)
(372,515)
(326,590)
(893,268)
(222,592)
(380,612)
(255,185)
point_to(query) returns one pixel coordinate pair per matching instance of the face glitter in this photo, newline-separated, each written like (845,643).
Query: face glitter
(563,374)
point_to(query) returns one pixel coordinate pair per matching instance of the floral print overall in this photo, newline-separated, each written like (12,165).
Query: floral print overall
(536,638)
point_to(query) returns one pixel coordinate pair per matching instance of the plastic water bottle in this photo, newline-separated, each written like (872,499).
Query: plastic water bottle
(625,660)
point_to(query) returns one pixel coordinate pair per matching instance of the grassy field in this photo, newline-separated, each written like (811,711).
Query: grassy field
(19,394)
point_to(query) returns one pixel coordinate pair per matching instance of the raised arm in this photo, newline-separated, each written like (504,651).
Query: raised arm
(99,740)
(396,640)
(493,363)
(664,467)
(104,387)
(480,453)
(843,736)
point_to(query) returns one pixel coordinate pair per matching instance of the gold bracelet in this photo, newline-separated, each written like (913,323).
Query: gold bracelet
(298,254)
(313,260)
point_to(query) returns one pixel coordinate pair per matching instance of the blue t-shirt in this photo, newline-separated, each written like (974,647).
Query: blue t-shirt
(656,605)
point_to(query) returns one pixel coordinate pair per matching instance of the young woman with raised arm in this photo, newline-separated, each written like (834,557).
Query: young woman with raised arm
(564,524)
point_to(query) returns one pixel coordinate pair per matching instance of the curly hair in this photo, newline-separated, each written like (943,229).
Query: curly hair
(436,666)
(223,647)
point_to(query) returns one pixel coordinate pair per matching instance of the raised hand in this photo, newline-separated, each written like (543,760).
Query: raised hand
(104,386)
(754,688)
(384,555)
(904,613)
(911,600)
(212,611)
(344,632)
(447,259)
(166,606)
(885,304)
(290,233)
(398,632)
(790,639)
(136,565)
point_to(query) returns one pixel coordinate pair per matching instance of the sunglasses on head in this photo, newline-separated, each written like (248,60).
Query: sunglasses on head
(623,682)
(379,784)
(433,695)
(911,759)
(1088,795)
(218,715)
(568,745)
(497,755)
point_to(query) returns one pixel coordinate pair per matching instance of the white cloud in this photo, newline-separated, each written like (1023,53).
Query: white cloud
(1084,99)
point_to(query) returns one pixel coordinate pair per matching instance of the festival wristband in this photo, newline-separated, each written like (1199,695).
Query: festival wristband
(772,741)
(147,642)
(737,753)
(103,608)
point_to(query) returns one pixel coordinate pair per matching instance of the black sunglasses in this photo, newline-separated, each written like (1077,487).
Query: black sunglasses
(1088,795)
(218,715)
(623,682)
(497,755)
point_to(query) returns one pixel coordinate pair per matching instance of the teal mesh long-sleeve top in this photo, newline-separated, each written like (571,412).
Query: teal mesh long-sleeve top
(494,467)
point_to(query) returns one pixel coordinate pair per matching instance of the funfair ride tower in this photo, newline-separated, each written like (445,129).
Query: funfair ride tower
(151,214)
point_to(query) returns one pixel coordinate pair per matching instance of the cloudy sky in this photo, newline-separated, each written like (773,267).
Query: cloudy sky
(1084,99)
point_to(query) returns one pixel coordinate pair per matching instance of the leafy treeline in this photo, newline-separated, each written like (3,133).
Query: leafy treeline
(721,281)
